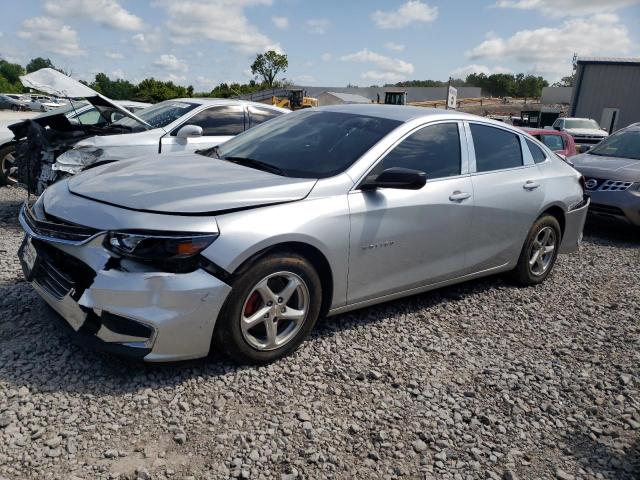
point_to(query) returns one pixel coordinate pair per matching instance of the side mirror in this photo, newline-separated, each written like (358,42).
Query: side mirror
(556,127)
(189,131)
(396,177)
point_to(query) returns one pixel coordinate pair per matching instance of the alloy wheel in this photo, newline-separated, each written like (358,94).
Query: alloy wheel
(8,167)
(542,251)
(274,311)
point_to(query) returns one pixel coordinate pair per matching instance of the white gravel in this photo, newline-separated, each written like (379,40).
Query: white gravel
(481,380)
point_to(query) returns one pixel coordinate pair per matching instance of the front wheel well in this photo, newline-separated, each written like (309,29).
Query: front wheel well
(310,253)
(556,212)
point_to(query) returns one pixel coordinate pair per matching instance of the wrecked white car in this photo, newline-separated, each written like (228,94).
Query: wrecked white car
(77,113)
(180,125)
(39,141)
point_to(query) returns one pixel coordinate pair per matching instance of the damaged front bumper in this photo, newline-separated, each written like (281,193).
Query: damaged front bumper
(155,316)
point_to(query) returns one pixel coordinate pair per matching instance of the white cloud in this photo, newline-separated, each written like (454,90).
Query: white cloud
(116,74)
(564,8)
(171,62)
(462,72)
(280,22)
(51,35)
(395,47)
(204,83)
(549,50)
(147,41)
(387,69)
(317,26)
(114,55)
(326,57)
(108,13)
(412,11)
(219,20)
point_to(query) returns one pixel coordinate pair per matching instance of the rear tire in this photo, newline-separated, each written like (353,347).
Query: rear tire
(6,162)
(273,306)
(539,252)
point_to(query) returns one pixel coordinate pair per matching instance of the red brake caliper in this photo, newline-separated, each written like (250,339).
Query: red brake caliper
(252,304)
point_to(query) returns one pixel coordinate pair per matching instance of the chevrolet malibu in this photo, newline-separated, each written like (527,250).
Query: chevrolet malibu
(242,247)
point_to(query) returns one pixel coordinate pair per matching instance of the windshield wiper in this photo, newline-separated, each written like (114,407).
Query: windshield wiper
(257,164)
(209,152)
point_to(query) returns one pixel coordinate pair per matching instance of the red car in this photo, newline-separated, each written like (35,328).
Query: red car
(560,142)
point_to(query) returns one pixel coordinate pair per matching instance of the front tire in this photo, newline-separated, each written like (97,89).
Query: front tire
(273,306)
(539,252)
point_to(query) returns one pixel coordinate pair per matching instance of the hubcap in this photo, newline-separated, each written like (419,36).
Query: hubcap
(8,167)
(542,250)
(274,311)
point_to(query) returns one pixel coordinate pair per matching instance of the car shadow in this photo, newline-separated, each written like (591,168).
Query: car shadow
(36,351)
(598,455)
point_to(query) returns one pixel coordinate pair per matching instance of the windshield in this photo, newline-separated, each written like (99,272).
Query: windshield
(307,144)
(581,123)
(624,144)
(159,115)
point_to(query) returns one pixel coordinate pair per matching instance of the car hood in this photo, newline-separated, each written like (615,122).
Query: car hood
(186,183)
(609,168)
(55,83)
(586,131)
(123,139)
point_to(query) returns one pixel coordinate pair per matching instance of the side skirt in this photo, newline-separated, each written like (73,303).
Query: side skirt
(416,290)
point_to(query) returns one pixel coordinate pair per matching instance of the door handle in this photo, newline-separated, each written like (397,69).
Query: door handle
(530,185)
(459,196)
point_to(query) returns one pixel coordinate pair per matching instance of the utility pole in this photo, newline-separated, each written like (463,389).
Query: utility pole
(446,102)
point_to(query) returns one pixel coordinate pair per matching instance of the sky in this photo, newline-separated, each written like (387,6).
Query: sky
(328,43)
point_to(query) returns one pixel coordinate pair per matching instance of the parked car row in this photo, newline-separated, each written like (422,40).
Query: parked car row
(36,102)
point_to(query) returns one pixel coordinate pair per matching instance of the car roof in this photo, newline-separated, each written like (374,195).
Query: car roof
(223,101)
(406,113)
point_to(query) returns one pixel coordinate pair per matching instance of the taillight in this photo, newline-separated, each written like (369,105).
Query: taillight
(582,182)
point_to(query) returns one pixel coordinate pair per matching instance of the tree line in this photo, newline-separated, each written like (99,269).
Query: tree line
(496,85)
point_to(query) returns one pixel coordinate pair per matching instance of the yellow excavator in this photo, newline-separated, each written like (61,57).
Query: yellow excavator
(295,100)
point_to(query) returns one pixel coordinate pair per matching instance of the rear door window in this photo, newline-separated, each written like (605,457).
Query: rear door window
(258,115)
(554,142)
(496,149)
(218,121)
(434,149)
(536,152)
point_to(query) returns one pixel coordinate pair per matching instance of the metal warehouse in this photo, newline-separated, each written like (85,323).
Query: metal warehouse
(607,90)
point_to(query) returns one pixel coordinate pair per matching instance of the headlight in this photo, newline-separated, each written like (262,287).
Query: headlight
(74,160)
(150,247)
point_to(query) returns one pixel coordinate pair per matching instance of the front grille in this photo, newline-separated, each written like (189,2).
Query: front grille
(61,274)
(53,280)
(601,209)
(55,228)
(614,186)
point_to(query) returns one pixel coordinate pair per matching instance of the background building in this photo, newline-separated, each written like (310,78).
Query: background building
(607,90)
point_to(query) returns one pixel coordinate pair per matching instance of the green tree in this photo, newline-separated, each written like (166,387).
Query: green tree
(267,65)
(152,90)
(116,89)
(567,81)
(11,71)
(38,63)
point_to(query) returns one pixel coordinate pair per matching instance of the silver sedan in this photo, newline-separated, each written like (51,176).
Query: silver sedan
(242,247)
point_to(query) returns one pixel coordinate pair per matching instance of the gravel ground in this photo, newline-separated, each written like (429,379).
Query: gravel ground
(481,380)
